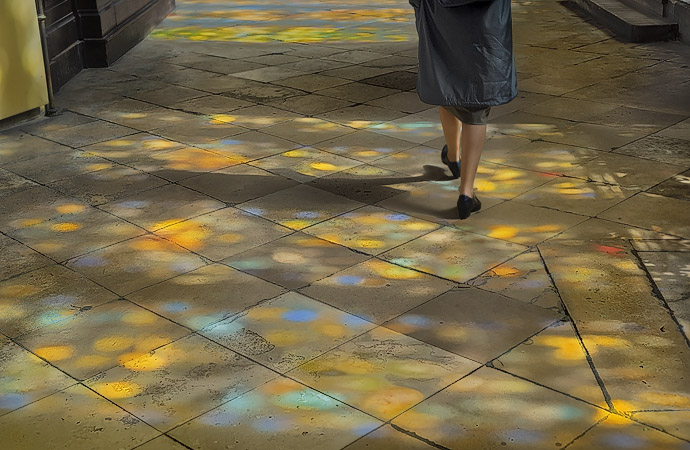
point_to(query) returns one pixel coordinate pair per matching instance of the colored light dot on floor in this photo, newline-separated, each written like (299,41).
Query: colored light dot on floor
(300,315)
(349,280)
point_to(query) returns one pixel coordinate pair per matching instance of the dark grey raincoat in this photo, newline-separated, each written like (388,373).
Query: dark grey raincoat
(465,52)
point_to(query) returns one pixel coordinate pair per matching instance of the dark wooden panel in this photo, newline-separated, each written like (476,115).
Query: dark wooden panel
(62,35)
(67,64)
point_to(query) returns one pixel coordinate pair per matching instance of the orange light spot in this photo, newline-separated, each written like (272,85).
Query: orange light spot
(55,352)
(66,227)
(70,208)
(145,363)
(118,389)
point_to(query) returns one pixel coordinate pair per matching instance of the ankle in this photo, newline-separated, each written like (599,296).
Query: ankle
(469,193)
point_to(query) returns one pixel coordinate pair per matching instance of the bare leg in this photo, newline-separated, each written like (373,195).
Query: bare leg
(473,138)
(451,131)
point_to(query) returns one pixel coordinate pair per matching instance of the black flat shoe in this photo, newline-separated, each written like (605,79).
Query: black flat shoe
(452,165)
(468,205)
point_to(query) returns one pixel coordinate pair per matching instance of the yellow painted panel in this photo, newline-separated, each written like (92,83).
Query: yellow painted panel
(22,75)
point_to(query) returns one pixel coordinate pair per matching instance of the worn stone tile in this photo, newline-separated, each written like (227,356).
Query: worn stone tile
(282,411)
(435,202)
(356,72)
(307,130)
(305,164)
(223,233)
(366,184)
(490,409)
(625,171)
(453,254)
(89,133)
(205,296)
(287,331)
(383,373)
(255,91)
(401,80)
(355,56)
(477,324)
(161,207)
(311,104)
(413,128)
(176,165)
(680,130)
(102,186)
(18,258)
(67,237)
(211,104)
(141,115)
(26,378)
(137,263)
(576,196)
(11,183)
(257,117)
(638,119)
(74,418)
(200,130)
(387,438)
(597,136)
(268,74)
(523,278)
(672,422)
(528,225)
(132,148)
(357,92)
(617,432)
(570,109)
(58,166)
(48,125)
(179,381)
(542,156)
(406,102)
(653,212)
(371,229)
(597,229)
(89,343)
(676,187)
(396,290)
(555,358)
(211,63)
(168,95)
(668,245)
(312,82)
(365,145)
(295,261)
(39,204)
(418,161)
(361,116)
(300,206)
(530,126)
(627,332)
(659,148)
(24,147)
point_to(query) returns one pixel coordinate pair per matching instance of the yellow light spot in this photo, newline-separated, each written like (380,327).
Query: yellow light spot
(145,363)
(29,222)
(323,166)
(418,226)
(288,258)
(145,345)
(118,389)
(70,208)
(280,386)
(113,343)
(417,420)
(230,238)
(139,318)
(55,352)
(624,405)
(283,338)
(150,245)
(368,153)
(503,232)
(223,118)
(66,227)
(392,401)
(95,167)
(296,154)
(18,290)
(369,243)
(296,224)
(332,330)
(564,348)
(505,271)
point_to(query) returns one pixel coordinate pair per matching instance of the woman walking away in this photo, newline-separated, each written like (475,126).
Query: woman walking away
(466,66)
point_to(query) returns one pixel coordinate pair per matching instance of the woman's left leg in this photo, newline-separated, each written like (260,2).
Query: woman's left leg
(451,131)
(473,138)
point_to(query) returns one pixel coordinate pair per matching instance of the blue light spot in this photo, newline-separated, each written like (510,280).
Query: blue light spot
(415,320)
(354,321)
(397,217)
(60,299)
(13,401)
(623,441)
(383,150)
(174,307)
(307,215)
(255,211)
(271,425)
(365,428)
(134,204)
(350,280)
(89,261)
(230,142)
(300,315)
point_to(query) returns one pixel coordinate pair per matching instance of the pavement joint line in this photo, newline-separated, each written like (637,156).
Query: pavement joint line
(418,437)
(658,295)
(585,432)
(590,361)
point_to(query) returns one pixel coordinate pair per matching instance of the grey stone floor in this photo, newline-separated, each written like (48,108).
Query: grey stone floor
(240,236)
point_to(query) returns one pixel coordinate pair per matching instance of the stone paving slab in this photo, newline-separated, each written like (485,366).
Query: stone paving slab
(166,202)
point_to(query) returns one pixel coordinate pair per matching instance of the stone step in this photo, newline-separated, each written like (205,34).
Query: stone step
(629,23)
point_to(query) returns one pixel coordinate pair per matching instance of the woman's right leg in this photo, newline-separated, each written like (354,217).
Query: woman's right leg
(472,144)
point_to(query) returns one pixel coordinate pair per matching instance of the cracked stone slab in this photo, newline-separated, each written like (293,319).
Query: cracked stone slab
(619,433)
(18,258)
(205,296)
(45,296)
(383,373)
(555,358)
(11,183)
(659,148)
(636,347)
(396,290)
(26,378)
(371,229)
(177,382)
(39,204)
(89,343)
(281,411)
(523,278)
(491,409)
(477,324)
(287,331)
